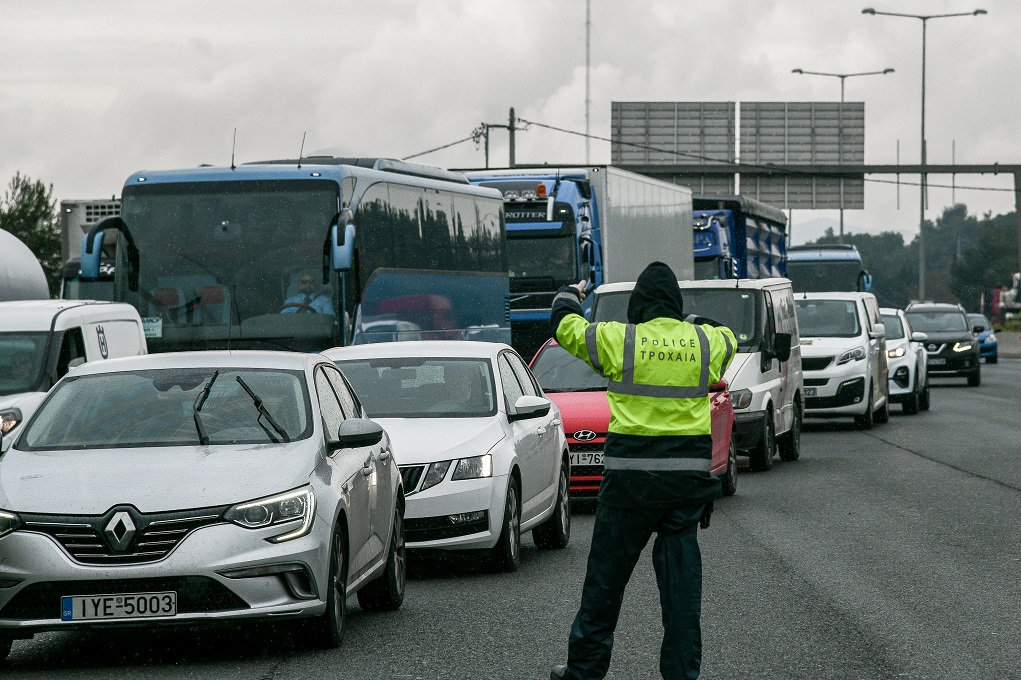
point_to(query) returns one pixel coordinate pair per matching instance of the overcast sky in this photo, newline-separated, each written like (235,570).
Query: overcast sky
(91,91)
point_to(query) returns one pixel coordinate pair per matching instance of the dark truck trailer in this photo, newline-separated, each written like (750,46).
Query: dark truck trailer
(736,237)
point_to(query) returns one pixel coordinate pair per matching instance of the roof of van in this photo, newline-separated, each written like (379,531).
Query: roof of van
(833,295)
(38,315)
(755,284)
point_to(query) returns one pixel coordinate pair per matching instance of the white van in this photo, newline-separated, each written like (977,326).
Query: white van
(843,349)
(41,340)
(765,374)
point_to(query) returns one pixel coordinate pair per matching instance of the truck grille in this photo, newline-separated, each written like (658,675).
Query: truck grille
(89,539)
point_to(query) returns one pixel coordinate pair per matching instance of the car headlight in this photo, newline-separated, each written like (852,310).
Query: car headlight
(856,354)
(741,398)
(991,338)
(963,346)
(896,353)
(474,468)
(293,506)
(435,474)
(9,419)
(8,522)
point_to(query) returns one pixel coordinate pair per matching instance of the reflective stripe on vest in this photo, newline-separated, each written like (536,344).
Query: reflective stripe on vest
(590,345)
(657,464)
(627,384)
(730,352)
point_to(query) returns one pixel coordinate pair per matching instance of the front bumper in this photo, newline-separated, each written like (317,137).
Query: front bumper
(987,349)
(953,363)
(748,427)
(427,516)
(195,569)
(839,390)
(903,381)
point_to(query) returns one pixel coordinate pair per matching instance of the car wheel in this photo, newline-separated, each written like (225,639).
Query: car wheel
(883,412)
(866,421)
(327,630)
(730,477)
(761,457)
(991,359)
(911,403)
(506,554)
(386,592)
(923,399)
(975,379)
(790,441)
(555,532)
(6,641)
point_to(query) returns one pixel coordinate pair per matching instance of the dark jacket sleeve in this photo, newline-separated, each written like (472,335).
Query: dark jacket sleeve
(566,301)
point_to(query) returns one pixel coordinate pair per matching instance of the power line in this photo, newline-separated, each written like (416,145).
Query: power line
(469,138)
(708,159)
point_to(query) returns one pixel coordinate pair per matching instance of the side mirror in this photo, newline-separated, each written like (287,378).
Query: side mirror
(342,243)
(355,432)
(978,329)
(878,331)
(718,386)
(919,336)
(782,346)
(528,406)
(996,330)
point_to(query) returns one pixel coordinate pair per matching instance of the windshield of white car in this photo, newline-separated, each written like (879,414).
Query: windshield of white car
(737,309)
(403,387)
(894,328)
(21,361)
(157,408)
(938,322)
(828,318)
(557,370)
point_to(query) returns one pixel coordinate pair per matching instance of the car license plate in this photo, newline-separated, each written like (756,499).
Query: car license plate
(587,458)
(937,361)
(133,605)
(809,391)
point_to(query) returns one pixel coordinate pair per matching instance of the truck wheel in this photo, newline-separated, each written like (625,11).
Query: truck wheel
(790,441)
(761,457)
(730,476)
(866,421)
(555,532)
(385,593)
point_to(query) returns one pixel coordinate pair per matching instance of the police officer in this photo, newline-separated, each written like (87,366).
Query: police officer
(656,465)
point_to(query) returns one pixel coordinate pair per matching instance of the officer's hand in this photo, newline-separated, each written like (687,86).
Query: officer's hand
(580,287)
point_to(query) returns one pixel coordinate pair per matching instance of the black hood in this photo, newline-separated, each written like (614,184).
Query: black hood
(656,295)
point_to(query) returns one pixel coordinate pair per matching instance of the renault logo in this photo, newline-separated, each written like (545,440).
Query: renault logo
(584,435)
(119,531)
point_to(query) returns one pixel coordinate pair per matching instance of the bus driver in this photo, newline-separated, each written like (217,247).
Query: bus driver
(307,299)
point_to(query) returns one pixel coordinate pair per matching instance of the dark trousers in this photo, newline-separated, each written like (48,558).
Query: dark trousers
(619,537)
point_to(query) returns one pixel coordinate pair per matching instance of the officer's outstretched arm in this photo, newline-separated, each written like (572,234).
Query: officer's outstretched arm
(723,346)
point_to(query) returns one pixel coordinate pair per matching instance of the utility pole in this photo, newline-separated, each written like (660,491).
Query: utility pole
(483,131)
(511,127)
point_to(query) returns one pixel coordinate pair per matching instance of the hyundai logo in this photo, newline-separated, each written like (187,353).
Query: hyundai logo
(119,531)
(584,435)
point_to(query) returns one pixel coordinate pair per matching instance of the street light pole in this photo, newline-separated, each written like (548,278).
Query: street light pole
(843,77)
(924,18)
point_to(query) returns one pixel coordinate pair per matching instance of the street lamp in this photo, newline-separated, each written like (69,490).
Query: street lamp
(843,77)
(921,221)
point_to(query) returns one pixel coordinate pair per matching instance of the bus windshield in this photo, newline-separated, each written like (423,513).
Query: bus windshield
(820,276)
(737,309)
(239,256)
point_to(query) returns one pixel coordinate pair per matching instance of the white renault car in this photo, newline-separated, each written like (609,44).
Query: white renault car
(481,449)
(183,488)
(907,357)
(843,356)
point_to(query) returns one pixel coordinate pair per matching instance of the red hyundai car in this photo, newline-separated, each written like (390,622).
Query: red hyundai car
(580,394)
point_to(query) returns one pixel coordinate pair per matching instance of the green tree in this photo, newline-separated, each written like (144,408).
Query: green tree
(29,211)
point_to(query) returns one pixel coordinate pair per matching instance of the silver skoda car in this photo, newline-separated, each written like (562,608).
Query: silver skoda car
(182,488)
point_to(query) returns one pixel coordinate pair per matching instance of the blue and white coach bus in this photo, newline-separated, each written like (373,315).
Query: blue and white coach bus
(305,256)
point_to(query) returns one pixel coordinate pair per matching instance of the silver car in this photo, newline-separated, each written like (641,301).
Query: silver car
(183,488)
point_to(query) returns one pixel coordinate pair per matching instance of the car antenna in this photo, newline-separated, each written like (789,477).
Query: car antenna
(302,149)
(233,146)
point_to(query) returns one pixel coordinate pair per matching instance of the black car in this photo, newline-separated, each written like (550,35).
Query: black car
(952,343)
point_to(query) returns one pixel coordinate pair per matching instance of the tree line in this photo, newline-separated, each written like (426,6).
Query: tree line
(963,255)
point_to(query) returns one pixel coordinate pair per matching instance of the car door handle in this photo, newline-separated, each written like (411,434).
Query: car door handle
(541,431)
(556,421)
(367,468)
(385,455)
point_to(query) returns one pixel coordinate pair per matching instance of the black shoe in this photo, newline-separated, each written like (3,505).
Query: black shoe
(559,672)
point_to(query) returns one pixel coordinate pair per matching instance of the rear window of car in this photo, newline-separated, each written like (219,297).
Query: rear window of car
(938,322)
(157,408)
(828,318)
(410,387)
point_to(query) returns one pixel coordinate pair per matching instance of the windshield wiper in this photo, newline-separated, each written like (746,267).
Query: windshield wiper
(199,401)
(264,412)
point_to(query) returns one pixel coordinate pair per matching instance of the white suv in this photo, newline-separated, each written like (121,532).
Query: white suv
(905,351)
(843,355)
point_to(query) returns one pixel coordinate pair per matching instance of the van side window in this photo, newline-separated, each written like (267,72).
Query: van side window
(72,349)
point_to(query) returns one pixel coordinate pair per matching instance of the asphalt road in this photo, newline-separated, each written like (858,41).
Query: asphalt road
(894,553)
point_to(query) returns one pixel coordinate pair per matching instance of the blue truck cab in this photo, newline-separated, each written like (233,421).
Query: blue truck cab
(735,237)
